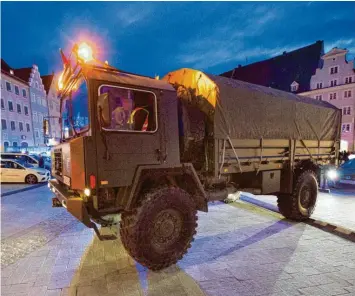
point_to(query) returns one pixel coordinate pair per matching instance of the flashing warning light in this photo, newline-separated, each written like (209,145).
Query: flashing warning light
(157,77)
(85,52)
(87,191)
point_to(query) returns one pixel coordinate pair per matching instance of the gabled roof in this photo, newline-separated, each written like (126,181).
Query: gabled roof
(279,72)
(23,73)
(47,82)
(335,52)
(5,68)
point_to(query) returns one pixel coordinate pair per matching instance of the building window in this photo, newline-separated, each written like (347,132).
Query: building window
(346,110)
(348,79)
(294,87)
(40,117)
(26,110)
(17,91)
(332,96)
(319,98)
(346,127)
(4,136)
(14,144)
(347,94)
(334,70)
(36,133)
(6,145)
(2,104)
(333,82)
(50,104)
(28,127)
(44,102)
(39,100)
(3,124)
(8,86)
(19,108)
(33,98)
(36,84)
(12,124)
(35,118)
(24,93)
(319,85)
(11,106)
(20,126)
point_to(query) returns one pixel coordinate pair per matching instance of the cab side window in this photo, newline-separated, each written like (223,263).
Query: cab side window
(131,110)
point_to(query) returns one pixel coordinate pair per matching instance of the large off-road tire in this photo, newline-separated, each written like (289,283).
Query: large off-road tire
(301,203)
(160,230)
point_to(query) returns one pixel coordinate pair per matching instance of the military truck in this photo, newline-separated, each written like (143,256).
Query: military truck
(153,152)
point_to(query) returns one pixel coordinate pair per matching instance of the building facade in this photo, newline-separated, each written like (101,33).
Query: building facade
(38,99)
(16,121)
(334,82)
(49,82)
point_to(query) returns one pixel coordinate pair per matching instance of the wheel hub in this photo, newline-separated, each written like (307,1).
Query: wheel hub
(305,196)
(167,228)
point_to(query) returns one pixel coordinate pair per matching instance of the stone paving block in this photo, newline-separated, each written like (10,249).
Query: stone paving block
(54,292)
(314,291)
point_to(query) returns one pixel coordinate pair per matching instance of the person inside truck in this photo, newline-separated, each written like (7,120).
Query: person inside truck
(119,117)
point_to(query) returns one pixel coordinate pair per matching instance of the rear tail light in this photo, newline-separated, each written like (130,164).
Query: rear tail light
(92,181)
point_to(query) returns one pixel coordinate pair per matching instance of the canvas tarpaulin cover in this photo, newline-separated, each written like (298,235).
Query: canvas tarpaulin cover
(242,110)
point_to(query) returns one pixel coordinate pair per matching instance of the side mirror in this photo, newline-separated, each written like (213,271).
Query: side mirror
(45,127)
(103,109)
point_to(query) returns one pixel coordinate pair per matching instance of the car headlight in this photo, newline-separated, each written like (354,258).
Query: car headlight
(41,173)
(332,174)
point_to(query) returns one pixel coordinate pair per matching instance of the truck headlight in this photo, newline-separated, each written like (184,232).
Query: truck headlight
(332,174)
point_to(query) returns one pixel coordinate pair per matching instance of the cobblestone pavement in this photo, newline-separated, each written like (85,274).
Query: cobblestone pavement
(239,250)
(12,186)
(337,207)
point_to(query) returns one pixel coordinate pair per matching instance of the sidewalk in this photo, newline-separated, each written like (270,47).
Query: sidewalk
(12,188)
(336,207)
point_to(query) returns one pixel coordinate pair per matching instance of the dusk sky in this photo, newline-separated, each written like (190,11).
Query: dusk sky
(157,37)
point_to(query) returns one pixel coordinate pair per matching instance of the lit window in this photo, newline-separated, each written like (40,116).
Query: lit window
(334,70)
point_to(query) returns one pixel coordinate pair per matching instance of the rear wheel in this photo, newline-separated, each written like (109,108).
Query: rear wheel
(159,232)
(31,179)
(301,203)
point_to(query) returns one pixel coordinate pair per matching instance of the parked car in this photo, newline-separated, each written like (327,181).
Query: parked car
(345,174)
(21,157)
(15,171)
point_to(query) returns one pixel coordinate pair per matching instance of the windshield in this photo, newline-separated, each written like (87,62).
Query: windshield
(75,111)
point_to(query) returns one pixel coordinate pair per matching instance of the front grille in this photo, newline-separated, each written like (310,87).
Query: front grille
(58,162)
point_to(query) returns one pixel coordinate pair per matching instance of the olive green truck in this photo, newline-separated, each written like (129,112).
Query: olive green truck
(150,153)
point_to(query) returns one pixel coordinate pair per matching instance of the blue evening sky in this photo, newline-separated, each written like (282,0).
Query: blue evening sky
(156,37)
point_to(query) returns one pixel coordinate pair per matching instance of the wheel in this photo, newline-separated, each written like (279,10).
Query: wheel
(301,203)
(160,230)
(31,179)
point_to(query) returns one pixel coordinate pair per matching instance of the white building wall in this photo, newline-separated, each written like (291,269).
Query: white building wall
(342,95)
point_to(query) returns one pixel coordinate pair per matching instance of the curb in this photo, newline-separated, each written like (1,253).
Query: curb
(325,226)
(23,189)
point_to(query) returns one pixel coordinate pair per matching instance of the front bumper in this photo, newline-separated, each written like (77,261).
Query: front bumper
(75,205)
